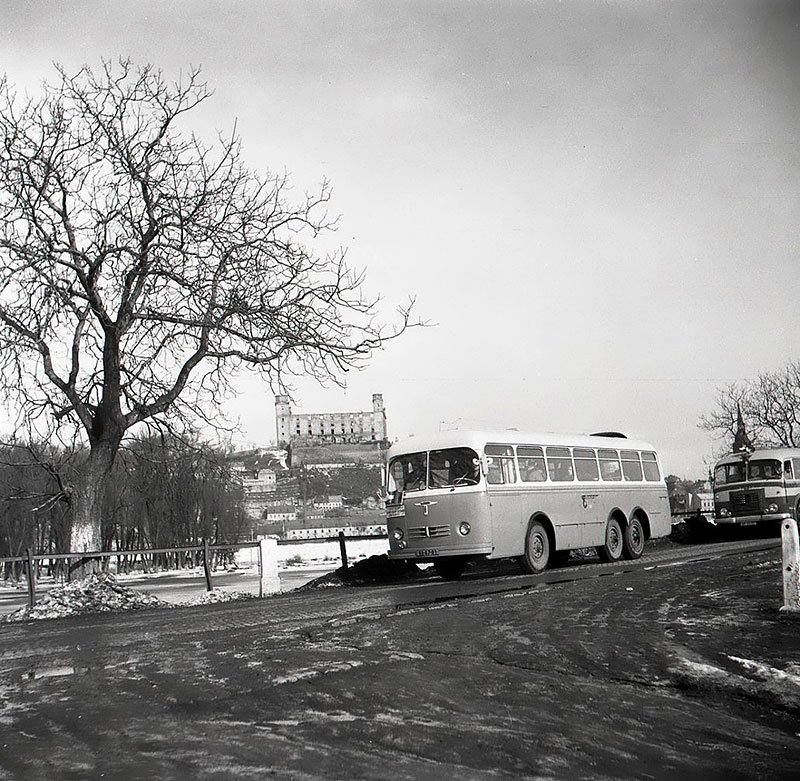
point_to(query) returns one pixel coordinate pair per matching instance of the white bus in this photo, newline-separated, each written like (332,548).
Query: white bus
(463,495)
(759,486)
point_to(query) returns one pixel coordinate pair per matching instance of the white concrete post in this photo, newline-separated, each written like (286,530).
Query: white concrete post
(791,565)
(268,562)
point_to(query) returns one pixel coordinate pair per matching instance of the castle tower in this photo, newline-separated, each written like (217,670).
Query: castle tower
(283,419)
(379,417)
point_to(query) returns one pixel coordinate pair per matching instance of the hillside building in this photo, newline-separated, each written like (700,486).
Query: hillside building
(257,472)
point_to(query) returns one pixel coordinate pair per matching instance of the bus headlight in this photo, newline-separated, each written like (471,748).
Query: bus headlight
(773,508)
(724,512)
(398,533)
(402,544)
(464,528)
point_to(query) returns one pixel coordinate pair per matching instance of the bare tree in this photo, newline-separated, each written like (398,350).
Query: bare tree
(141,268)
(767,407)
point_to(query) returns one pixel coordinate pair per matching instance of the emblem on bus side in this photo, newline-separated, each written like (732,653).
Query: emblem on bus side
(424,506)
(588,500)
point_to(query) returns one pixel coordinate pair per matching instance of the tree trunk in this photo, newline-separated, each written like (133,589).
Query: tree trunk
(87,506)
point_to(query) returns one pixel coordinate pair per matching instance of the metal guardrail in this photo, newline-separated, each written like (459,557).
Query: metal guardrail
(183,548)
(29,559)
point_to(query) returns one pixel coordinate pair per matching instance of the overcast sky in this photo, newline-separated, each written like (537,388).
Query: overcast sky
(597,203)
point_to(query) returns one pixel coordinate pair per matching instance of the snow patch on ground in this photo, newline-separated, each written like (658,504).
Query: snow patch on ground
(767,673)
(764,683)
(102,593)
(314,672)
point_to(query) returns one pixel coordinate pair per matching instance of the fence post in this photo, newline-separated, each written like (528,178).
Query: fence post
(268,567)
(791,566)
(31,579)
(343,550)
(206,565)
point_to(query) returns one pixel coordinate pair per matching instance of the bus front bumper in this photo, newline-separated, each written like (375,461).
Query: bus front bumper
(433,553)
(751,520)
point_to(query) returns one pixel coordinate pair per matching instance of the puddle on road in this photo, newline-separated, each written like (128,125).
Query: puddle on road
(53,672)
(63,671)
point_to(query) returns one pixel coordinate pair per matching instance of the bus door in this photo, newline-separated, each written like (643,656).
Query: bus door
(507,503)
(591,506)
(791,482)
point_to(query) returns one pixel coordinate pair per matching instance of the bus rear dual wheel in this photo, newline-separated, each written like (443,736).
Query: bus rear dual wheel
(619,544)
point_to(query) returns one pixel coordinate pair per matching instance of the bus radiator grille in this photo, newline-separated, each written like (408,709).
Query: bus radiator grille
(427,532)
(745,502)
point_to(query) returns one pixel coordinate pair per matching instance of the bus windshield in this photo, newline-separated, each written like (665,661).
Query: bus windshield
(766,469)
(450,467)
(757,469)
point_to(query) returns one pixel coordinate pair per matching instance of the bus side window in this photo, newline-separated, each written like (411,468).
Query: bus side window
(500,464)
(531,464)
(609,465)
(631,465)
(650,465)
(559,464)
(585,463)
(494,473)
(787,470)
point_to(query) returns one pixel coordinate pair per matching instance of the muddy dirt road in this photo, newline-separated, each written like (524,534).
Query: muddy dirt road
(681,670)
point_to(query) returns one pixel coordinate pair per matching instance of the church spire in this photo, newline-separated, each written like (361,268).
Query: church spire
(741,442)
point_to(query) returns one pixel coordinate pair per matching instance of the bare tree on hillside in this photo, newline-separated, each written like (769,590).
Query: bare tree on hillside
(767,406)
(141,268)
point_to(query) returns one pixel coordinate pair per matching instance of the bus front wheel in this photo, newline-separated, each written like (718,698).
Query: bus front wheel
(450,568)
(611,550)
(633,539)
(537,549)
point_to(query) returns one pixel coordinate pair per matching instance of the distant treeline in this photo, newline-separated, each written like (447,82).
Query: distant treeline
(165,492)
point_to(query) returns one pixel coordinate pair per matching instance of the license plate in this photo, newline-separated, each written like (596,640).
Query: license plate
(747,523)
(395,512)
(428,552)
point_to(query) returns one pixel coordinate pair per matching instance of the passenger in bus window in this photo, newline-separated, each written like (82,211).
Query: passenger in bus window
(535,473)
(610,470)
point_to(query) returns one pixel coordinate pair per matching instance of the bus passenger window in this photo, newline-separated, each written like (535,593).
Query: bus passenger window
(631,466)
(609,465)
(787,470)
(559,464)
(650,465)
(531,464)
(500,464)
(494,473)
(585,464)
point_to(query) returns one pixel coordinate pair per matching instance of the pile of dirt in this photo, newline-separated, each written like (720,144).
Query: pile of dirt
(375,569)
(101,593)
